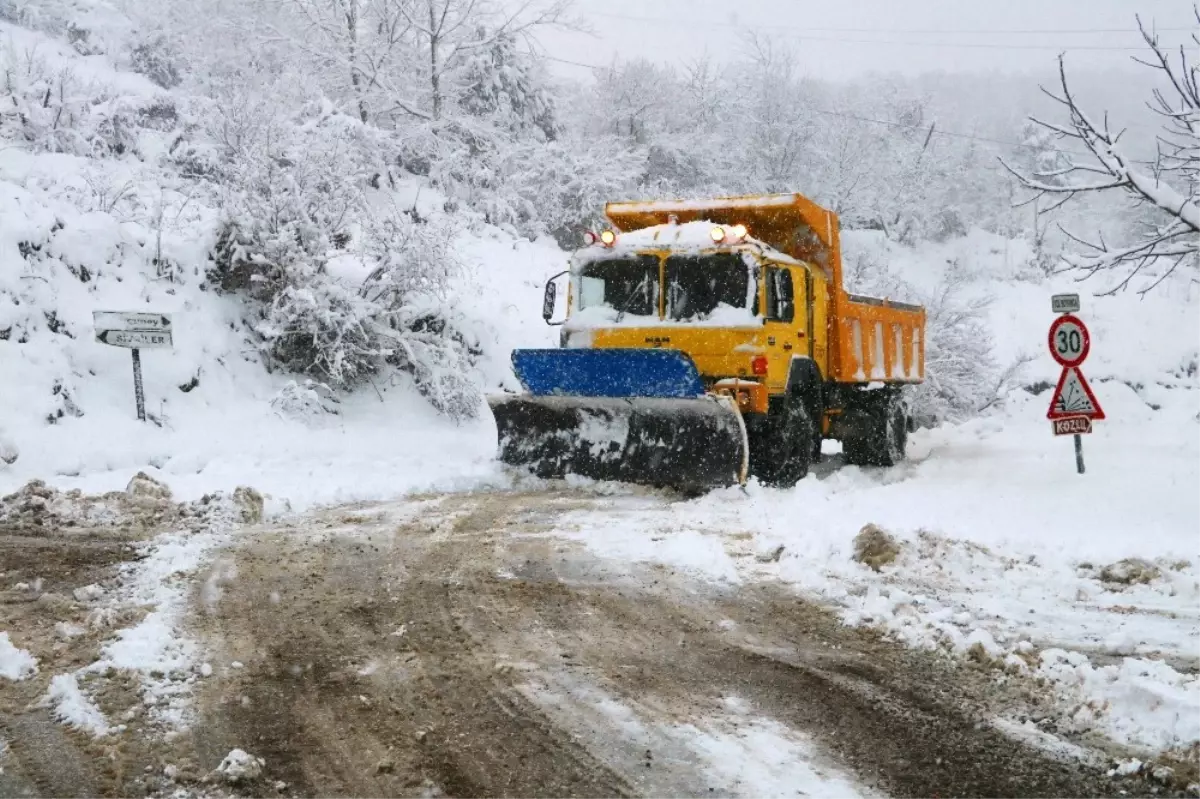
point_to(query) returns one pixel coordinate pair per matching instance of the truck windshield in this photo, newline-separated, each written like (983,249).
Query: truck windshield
(626,285)
(698,285)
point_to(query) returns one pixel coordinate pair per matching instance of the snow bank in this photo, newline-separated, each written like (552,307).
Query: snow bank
(15,664)
(215,422)
(72,707)
(1142,703)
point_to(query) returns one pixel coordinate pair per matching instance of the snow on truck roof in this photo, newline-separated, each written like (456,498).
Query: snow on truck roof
(688,237)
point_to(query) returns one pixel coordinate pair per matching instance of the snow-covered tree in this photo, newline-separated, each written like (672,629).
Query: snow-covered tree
(502,84)
(1164,192)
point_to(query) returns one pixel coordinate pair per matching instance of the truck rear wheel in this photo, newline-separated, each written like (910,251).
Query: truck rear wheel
(879,433)
(781,448)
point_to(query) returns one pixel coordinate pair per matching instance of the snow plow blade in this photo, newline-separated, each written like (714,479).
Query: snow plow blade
(689,444)
(627,415)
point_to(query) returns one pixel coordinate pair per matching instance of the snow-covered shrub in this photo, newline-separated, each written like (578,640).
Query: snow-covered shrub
(339,281)
(960,370)
(317,325)
(414,262)
(962,377)
(439,358)
(55,109)
(306,401)
(560,188)
(156,59)
(286,205)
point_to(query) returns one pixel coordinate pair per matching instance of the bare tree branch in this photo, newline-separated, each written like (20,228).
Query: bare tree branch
(1170,187)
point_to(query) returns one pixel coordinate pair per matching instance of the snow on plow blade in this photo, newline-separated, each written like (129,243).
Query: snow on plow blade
(691,444)
(637,416)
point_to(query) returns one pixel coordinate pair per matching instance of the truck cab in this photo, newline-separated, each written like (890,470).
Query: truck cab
(739,308)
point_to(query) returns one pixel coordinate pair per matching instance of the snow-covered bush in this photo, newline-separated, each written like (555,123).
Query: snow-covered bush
(55,109)
(414,262)
(960,369)
(339,280)
(157,60)
(440,359)
(560,188)
(306,401)
(962,377)
(317,325)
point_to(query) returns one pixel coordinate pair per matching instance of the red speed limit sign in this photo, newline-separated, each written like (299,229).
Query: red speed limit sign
(1069,340)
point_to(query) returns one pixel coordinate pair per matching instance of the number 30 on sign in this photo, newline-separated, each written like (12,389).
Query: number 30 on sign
(1069,341)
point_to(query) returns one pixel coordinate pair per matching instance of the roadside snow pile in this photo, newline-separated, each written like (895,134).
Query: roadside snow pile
(15,664)
(239,766)
(38,508)
(72,707)
(1142,703)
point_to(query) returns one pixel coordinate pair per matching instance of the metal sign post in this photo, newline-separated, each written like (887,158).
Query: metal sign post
(138,395)
(134,331)
(1073,406)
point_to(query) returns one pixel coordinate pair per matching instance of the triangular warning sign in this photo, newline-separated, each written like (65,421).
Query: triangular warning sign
(1073,397)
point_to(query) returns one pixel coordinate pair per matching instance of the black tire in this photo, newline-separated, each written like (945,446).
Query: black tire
(782,448)
(879,434)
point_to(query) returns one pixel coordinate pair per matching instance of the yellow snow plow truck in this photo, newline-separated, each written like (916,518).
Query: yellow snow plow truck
(708,341)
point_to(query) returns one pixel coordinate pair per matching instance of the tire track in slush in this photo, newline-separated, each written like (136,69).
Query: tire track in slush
(387,655)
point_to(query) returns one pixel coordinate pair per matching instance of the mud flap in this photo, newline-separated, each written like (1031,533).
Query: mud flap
(692,444)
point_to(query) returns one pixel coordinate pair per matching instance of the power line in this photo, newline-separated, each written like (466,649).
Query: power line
(936,132)
(803,30)
(569,61)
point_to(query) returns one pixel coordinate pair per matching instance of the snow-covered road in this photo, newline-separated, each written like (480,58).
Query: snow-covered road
(482,643)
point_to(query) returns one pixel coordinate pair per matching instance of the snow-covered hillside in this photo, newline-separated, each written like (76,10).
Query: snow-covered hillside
(133,233)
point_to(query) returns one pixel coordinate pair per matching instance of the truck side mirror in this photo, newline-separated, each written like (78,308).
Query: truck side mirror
(549,296)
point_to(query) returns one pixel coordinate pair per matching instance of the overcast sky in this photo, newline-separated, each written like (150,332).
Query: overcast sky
(849,37)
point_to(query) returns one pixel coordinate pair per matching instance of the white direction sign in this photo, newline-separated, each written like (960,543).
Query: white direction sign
(135,331)
(136,339)
(1065,303)
(130,320)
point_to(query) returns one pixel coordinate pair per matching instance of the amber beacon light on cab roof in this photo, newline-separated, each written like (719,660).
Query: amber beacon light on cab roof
(708,341)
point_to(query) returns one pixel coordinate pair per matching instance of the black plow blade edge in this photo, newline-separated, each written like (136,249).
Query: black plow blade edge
(689,444)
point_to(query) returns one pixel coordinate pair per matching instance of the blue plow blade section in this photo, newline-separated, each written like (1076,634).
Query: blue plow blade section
(608,373)
(636,416)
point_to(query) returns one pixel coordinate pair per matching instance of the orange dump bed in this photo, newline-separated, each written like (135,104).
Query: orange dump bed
(876,340)
(869,339)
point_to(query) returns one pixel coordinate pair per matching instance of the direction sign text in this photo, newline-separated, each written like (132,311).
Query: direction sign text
(135,339)
(1072,426)
(130,320)
(1065,303)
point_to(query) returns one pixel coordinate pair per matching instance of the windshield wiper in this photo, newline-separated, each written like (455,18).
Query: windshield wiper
(629,300)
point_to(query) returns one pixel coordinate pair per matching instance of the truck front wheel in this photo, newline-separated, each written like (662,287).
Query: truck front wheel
(781,446)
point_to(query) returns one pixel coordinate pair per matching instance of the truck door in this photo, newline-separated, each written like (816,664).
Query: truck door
(787,307)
